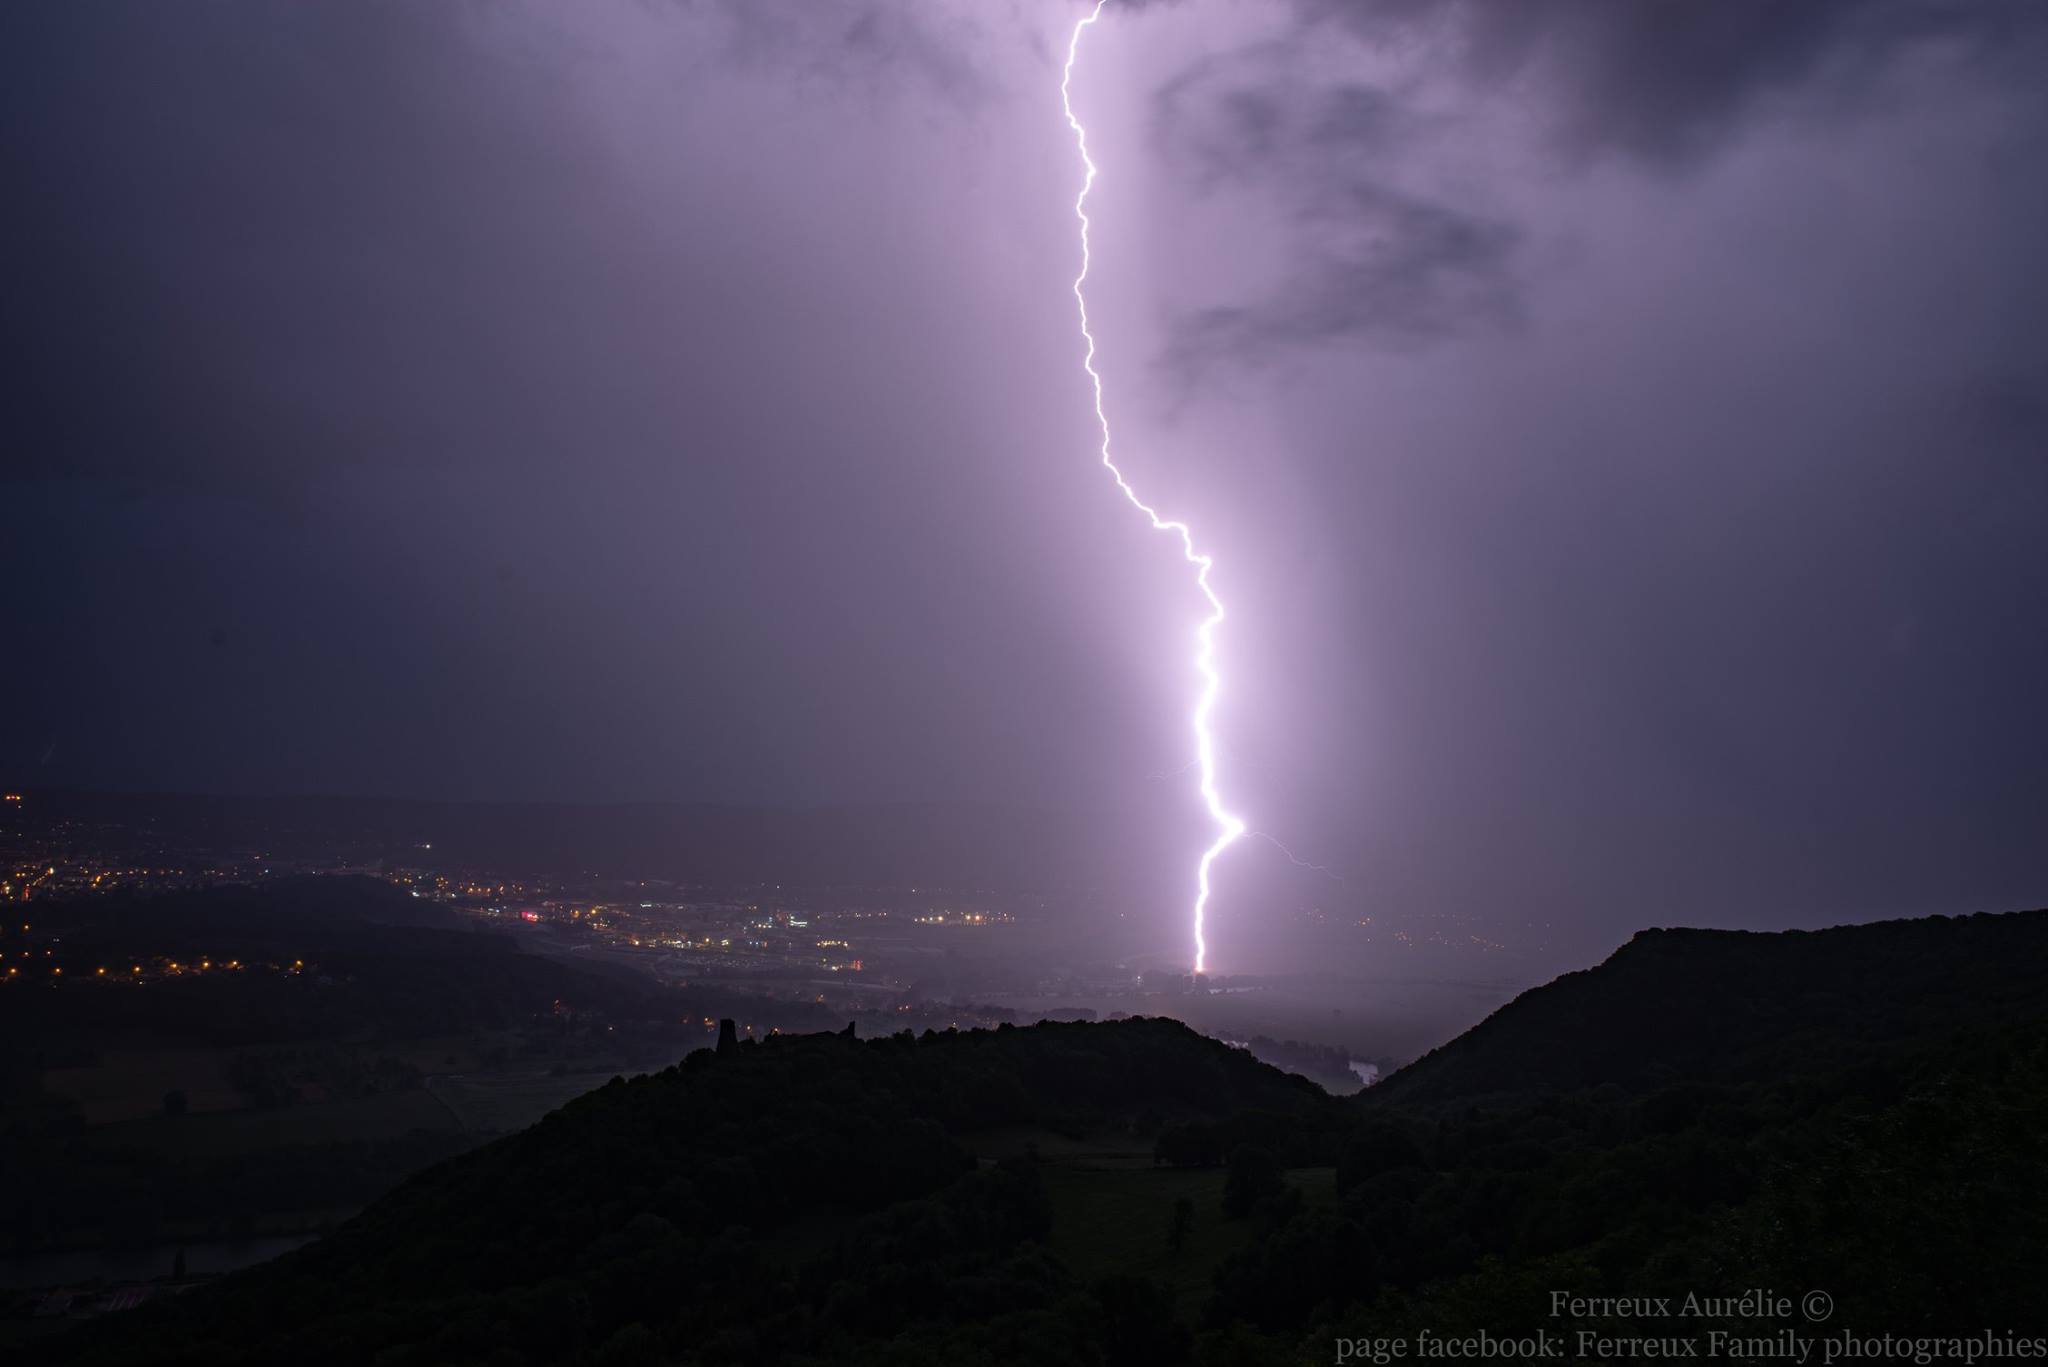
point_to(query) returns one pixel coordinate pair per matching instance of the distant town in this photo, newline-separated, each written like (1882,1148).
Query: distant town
(885,958)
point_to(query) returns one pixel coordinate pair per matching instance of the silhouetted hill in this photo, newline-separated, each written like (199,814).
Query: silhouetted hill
(1861,1112)
(1724,1005)
(732,1198)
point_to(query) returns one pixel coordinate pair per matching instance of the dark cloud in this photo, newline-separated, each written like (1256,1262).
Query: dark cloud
(1369,260)
(490,401)
(253,229)
(1372,263)
(269,241)
(876,45)
(1667,83)
(1664,84)
(676,400)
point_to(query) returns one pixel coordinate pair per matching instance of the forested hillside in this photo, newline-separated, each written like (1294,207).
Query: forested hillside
(1862,1112)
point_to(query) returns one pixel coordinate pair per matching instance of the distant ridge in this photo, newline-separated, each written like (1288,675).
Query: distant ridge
(955,845)
(1720,1005)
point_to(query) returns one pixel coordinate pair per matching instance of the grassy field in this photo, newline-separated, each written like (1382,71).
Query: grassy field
(500,1103)
(249,1131)
(122,1102)
(129,1084)
(1113,1209)
(121,1097)
(1108,1221)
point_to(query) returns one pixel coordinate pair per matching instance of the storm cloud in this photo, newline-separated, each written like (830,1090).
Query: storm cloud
(1618,428)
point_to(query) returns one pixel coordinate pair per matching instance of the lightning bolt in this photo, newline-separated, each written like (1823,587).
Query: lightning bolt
(1229,828)
(1294,858)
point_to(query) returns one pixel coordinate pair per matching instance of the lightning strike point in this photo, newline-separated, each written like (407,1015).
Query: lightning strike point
(1229,827)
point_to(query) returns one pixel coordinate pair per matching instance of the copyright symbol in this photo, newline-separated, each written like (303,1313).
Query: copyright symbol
(1818,1305)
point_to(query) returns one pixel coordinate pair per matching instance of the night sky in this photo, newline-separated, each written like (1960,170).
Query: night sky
(1622,429)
